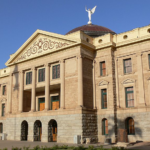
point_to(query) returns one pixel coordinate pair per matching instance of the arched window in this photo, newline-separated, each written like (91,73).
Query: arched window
(104,127)
(130,126)
(1,128)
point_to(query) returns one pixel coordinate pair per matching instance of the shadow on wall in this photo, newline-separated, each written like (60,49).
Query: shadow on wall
(122,124)
(16,78)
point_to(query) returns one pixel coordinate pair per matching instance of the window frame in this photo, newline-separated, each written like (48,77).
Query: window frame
(124,67)
(1,127)
(3,91)
(102,100)
(29,77)
(101,69)
(43,77)
(127,92)
(56,71)
(3,107)
(104,126)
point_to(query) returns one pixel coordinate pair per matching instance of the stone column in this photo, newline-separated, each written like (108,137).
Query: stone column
(140,80)
(47,86)
(94,93)
(33,100)
(21,91)
(10,94)
(80,82)
(62,75)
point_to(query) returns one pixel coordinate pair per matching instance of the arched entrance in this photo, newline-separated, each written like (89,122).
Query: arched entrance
(52,131)
(24,131)
(37,130)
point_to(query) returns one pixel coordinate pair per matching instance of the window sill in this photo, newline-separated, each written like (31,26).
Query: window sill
(128,73)
(103,76)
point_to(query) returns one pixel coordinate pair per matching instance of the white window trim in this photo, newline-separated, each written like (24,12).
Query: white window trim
(51,71)
(125,85)
(26,77)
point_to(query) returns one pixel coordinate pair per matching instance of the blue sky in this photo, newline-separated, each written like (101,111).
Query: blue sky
(19,19)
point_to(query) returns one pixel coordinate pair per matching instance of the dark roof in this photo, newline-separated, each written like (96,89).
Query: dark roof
(92,30)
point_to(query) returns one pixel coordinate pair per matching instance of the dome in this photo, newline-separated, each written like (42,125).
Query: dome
(92,30)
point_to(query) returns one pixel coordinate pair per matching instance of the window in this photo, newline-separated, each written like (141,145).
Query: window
(103,68)
(28,78)
(104,127)
(55,102)
(130,126)
(104,98)
(127,66)
(1,128)
(41,75)
(149,60)
(129,97)
(56,71)
(3,109)
(4,90)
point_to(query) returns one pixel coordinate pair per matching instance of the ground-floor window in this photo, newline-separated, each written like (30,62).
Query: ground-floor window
(104,127)
(130,126)
(1,128)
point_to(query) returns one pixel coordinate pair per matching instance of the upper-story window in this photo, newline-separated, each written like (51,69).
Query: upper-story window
(149,60)
(104,98)
(56,71)
(127,65)
(4,90)
(1,128)
(28,78)
(41,75)
(129,97)
(102,68)
(3,109)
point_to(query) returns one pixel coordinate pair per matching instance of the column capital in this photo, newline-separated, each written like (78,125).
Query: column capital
(62,61)
(46,65)
(33,68)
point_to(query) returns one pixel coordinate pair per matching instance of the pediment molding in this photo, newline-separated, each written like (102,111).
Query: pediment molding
(40,43)
(103,82)
(127,81)
(3,100)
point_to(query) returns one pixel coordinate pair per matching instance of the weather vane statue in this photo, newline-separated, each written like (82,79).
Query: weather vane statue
(90,12)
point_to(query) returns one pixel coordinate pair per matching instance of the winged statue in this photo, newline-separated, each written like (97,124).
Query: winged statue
(90,12)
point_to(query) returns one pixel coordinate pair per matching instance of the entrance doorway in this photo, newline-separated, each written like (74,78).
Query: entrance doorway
(37,130)
(55,102)
(24,131)
(41,104)
(52,131)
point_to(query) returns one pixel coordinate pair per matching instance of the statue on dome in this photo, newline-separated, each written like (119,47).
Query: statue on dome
(90,12)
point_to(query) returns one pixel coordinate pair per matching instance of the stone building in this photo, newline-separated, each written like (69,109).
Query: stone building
(90,82)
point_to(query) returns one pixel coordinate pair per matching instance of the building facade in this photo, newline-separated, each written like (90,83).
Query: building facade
(89,82)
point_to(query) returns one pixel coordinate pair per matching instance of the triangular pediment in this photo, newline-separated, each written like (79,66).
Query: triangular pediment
(40,43)
(103,83)
(128,81)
